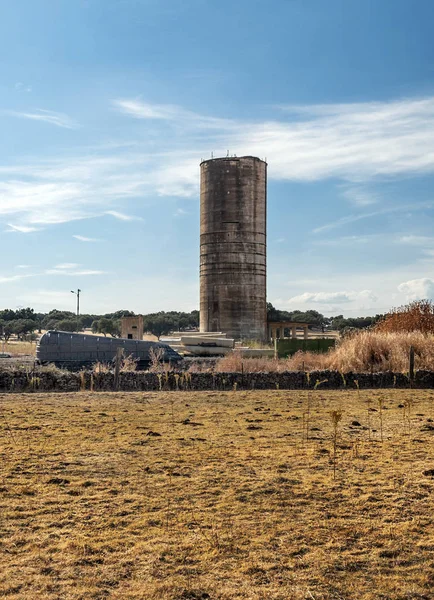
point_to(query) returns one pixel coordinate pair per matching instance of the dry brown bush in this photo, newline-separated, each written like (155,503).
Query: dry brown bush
(416,316)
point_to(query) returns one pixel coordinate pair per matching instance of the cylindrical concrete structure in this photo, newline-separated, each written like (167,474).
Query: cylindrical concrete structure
(233,219)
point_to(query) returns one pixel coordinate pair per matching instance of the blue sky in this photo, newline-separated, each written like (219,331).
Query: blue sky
(108,106)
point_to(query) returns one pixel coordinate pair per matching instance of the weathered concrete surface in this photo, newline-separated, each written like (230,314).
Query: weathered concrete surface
(132,327)
(233,198)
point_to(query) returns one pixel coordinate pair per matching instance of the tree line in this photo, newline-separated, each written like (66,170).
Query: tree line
(24,322)
(316,319)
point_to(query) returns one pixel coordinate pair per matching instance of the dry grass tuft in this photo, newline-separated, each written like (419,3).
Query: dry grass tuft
(157,365)
(129,364)
(235,363)
(100,367)
(217,495)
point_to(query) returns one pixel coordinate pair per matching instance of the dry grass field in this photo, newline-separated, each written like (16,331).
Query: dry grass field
(19,348)
(238,495)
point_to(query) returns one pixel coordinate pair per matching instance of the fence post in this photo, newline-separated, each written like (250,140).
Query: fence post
(411,369)
(119,353)
(275,348)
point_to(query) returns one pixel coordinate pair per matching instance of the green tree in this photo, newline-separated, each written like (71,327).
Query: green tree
(51,320)
(68,325)
(106,327)
(22,327)
(6,329)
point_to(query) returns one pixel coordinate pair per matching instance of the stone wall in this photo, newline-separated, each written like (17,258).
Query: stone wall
(58,381)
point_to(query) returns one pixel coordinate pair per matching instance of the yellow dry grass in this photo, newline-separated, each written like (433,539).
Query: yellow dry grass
(19,348)
(365,351)
(217,495)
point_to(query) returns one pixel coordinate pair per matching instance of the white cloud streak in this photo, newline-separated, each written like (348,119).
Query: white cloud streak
(82,238)
(355,143)
(11,278)
(122,216)
(398,208)
(67,266)
(63,269)
(172,113)
(332,297)
(360,196)
(83,272)
(47,116)
(72,269)
(20,228)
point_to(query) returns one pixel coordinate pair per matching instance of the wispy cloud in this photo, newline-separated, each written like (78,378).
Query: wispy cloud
(74,273)
(82,238)
(22,87)
(67,266)
(72,269)
(171,112)
(122,216)
(360,195)
(353,143)
(417,240)
(48,116)
(332,297)
(369,215)
(10,278)
(47,299)
(20,228)
(349,240)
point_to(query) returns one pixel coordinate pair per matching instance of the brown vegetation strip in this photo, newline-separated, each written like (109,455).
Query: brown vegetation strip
(217,495)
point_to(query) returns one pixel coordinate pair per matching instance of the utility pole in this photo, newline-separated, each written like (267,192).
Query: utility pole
(77,293)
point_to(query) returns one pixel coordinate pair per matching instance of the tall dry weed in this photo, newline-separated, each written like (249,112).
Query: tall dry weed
(381,351)
(129,364)
(235,363)
(157,365)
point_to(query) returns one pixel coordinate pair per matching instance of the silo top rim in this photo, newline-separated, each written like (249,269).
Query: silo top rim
(232,158)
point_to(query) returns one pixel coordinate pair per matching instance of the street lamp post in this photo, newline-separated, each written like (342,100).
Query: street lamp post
(77,293)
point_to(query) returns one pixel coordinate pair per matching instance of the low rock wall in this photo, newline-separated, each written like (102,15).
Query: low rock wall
(52,381)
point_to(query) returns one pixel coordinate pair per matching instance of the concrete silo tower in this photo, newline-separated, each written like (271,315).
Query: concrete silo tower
(233,210)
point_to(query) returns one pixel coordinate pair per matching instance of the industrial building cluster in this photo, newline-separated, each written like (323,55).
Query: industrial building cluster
(233,279)
(233,258)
